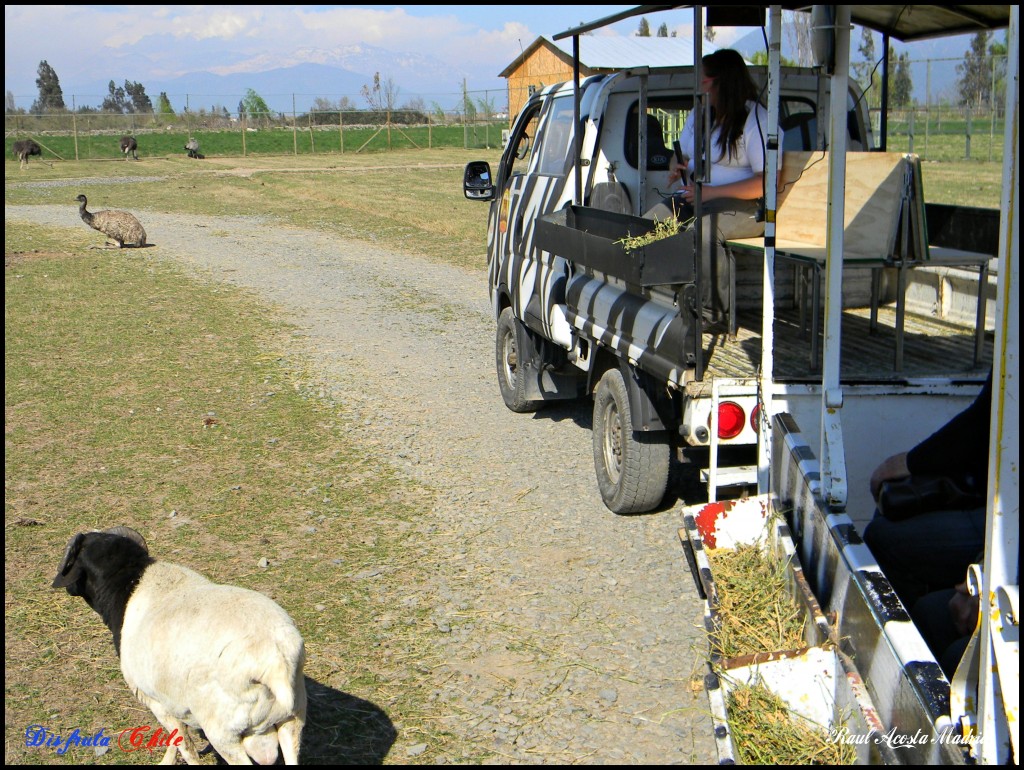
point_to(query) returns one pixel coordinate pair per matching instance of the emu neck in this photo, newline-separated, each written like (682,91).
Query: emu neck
(86,216)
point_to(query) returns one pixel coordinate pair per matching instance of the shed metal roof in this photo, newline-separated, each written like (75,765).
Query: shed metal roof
(615,52)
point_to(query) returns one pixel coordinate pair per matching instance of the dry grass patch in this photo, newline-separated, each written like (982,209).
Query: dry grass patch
(756,612)
(766,733)
(136,396)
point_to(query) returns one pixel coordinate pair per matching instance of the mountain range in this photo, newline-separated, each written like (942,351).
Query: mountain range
(295,81)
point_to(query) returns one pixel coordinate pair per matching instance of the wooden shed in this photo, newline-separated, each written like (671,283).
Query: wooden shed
(546,62)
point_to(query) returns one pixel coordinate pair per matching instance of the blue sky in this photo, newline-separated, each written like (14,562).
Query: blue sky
(150,43)
(143,43)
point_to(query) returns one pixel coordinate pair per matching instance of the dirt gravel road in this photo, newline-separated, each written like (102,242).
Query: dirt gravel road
(569,634)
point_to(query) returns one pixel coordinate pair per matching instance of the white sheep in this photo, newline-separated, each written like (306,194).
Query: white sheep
(223,659)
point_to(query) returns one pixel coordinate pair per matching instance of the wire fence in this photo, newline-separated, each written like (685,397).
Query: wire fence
(95,136)
(945,135)
(934,134)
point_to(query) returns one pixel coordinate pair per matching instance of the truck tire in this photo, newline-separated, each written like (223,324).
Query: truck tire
(511,376)
(632,468)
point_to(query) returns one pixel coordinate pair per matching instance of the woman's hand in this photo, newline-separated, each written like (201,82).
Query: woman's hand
(676,171)
(894,467)
(687,191)
(964,610)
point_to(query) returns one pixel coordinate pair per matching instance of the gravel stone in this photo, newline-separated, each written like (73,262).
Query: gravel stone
(580,631)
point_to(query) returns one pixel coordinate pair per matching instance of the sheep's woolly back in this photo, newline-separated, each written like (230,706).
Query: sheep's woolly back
(242,653)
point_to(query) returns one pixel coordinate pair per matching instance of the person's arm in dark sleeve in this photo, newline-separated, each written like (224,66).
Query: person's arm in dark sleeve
(960,447)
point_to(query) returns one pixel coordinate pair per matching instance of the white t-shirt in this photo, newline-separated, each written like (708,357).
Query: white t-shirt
(750,148)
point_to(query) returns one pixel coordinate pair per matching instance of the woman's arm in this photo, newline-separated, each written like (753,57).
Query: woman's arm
(750,188)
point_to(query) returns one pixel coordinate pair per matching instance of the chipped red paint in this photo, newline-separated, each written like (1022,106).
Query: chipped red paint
(707,520)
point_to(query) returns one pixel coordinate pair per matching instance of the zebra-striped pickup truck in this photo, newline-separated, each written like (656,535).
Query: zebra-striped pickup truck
(581,312)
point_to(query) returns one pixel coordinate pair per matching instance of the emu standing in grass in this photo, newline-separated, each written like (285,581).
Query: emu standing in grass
(129,146)
(23,148)
(120,227)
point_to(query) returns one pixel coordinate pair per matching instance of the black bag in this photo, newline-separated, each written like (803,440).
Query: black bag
(914,495)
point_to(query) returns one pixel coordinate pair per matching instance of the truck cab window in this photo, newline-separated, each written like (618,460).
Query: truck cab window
(557,140)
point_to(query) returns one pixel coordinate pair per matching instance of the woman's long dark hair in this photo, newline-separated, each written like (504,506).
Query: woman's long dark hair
(735,89)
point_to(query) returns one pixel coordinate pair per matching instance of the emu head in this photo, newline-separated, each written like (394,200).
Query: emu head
(103,565)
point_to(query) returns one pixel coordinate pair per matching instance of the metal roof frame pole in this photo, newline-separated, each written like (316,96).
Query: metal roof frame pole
(771,194)
(700,115)
(833,477)
(577,132)
(998,724)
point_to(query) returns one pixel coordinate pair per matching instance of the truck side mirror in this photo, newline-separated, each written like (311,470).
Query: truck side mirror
(476,182)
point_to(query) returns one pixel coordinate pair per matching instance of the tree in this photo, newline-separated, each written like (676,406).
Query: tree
(165,107)
(645,28)
(140,102)
(973,87)
(663,30)
(798,30)
(901,87)
(51,98)
(486,106)
(253,106)
(998,52)
(383,96)
(9,106)
(116,100)
(760,58)
(864,71)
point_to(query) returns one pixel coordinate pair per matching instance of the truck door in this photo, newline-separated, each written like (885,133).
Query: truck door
(535,177)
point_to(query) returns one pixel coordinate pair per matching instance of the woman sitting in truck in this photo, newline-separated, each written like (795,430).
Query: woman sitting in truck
(734,195)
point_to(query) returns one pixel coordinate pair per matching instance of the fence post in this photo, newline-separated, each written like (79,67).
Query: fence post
(910,130)
(967,130)
(430,144)
(74,131)
(927,106)
(341,133)
(245,128)
(312,142)
(295,129)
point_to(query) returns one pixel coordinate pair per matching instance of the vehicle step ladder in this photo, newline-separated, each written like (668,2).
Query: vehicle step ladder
(716,476)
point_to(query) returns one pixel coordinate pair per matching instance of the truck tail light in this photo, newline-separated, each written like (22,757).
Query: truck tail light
(730,420)
(755,419)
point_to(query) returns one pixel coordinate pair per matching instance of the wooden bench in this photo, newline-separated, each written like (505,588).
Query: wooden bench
(885,226)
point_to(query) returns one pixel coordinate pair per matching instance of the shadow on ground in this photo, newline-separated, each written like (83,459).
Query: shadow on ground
(342,729)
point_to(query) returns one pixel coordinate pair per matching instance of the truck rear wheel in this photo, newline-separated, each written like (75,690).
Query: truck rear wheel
(511,376)
(632,468)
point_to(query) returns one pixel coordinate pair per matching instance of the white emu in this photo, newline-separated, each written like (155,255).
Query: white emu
(222,659)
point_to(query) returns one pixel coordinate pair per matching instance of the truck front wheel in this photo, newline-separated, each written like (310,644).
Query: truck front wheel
(632,467)
(511,374)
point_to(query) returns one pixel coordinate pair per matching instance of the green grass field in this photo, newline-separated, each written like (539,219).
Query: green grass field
(89,145)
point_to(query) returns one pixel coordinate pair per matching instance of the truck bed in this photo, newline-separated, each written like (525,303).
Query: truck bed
(932,348)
